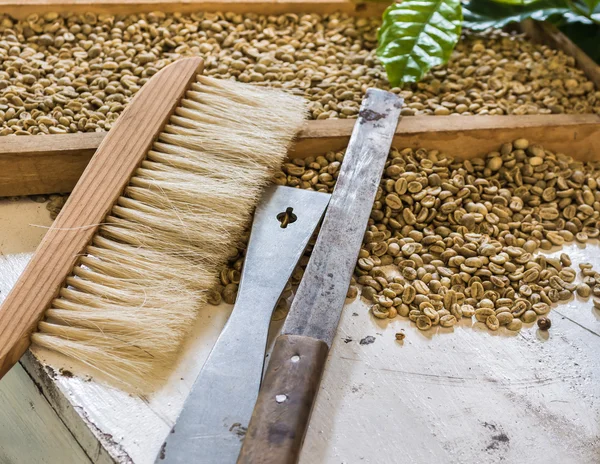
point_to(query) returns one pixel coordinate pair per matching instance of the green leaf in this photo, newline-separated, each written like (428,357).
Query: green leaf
(591,4)
(483,14)
(417,35)
(587,9)
(517,2)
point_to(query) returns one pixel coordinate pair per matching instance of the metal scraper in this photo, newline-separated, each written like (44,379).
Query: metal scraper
(281,415)
(216,413)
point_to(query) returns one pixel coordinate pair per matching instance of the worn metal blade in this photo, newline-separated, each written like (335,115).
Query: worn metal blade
(318,303)
(217,411)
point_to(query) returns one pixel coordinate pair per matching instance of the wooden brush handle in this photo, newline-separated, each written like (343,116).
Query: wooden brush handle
(101,184)
(282,411)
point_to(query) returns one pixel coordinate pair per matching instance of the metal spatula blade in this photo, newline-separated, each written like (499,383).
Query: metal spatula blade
(217,411)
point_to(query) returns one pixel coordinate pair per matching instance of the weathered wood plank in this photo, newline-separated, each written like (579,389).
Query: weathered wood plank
(30,430)
(467,136)
(539,390)
(30,165)
(52,164)
(23,8)
(24,224)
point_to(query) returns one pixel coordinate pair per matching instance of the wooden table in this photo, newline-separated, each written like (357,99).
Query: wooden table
(461,395)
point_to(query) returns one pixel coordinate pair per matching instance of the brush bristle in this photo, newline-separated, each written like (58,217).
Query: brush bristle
(132,298)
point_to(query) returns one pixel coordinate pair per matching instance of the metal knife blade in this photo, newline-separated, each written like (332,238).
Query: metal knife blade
(216,413)
(290,385)
(318,302)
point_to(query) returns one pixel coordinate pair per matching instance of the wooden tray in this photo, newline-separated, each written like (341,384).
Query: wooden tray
(23,8)
(53,164)
(460,395)
(539,32)
(548,34)
(40,165)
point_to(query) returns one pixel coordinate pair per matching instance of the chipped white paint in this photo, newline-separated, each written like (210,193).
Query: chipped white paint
(30,430)
(456,395)
(461,395)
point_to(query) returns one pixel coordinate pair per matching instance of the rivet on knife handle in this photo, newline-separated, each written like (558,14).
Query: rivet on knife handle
(282,412)
(283,407)
(216,413)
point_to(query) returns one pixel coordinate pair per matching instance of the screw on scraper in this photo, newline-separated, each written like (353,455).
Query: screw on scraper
(287,217)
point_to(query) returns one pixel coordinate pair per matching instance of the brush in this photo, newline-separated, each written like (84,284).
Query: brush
(120,276)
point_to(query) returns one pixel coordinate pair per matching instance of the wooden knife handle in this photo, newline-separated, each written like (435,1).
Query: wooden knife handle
(280,418)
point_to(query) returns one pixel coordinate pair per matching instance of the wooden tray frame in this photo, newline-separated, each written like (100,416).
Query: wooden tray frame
(52,164)
(539,32)
(23,8)
(41,165)
(548,34)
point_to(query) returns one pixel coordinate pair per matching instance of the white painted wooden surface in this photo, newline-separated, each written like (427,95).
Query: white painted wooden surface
(461,395)
(30,430)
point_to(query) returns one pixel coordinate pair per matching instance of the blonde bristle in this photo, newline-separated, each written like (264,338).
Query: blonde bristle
(133,296)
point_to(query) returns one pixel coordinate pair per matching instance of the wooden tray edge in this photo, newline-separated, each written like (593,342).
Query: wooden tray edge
(52,164)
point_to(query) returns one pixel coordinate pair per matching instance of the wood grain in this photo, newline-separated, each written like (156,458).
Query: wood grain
(30,165)
(280,418)
(548,34)
(30,430)
(23,8)
(53,163)
(99,187)
(467,136)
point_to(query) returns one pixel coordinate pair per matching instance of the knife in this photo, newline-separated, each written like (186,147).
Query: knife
(215,415)
(282,411)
